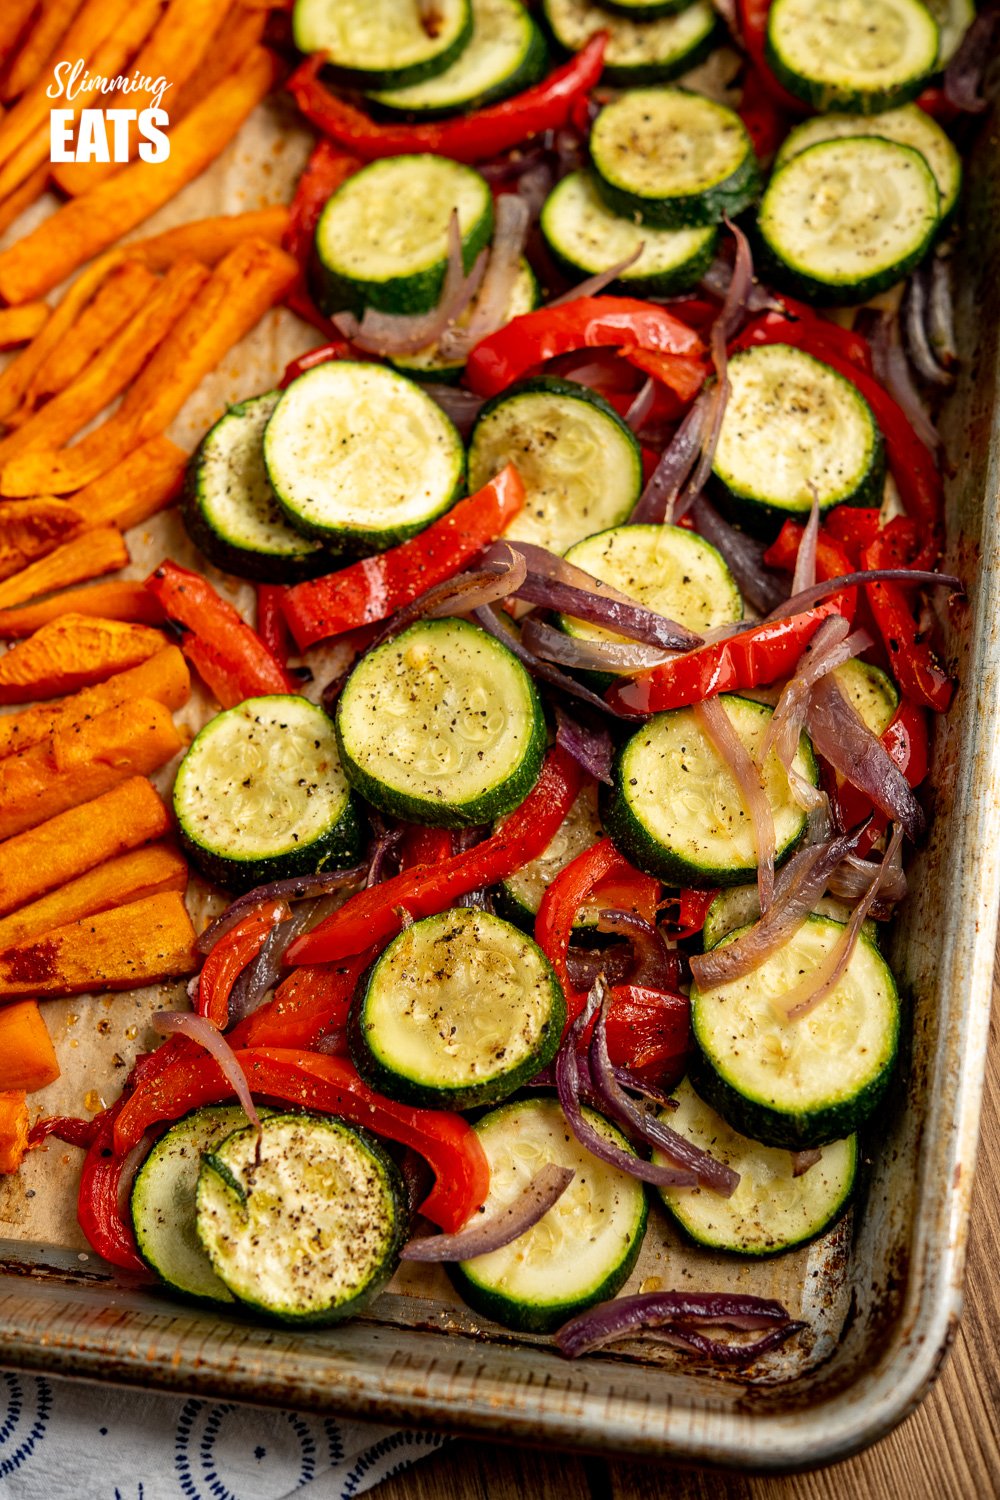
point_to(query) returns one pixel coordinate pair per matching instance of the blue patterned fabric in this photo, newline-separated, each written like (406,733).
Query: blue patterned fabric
(64,1441)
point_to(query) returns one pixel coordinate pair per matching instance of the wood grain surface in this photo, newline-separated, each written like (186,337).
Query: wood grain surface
(948,1450)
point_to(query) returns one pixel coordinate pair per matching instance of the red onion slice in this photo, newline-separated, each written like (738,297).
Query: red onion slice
(803,1160)
(487,618)
(656,503)
(200,1030)
(586,965)
(262,973)
(966,72)
(762,588)
(596,284)
(461,406)
(581,655)
(813,989)
(842,738)
(800,884)
(682,1312)
(391,333)
(715,723)
(915,315)
(642,405)
(510,231)
(568,1086)
(805,562)
(852,877)
(892,369)
(737,293)
(545,1188)
(941,313)
(657,967)
(913,577)
(590,745)
(296,888)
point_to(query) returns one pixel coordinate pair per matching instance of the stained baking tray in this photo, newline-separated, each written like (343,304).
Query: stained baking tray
(881,1293)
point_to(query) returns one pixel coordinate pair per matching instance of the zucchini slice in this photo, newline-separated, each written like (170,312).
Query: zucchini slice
(644,10)
(308,1227)
(793,429)
(675,159)
(260,795)
(431,364)
(361,456)
(441,725)
(163,1202)
(771,1211)
(675,808)
(806,1082)
(579,462)
(578,1253)
(460,1010)
(506,54)
(382,239)
(846,219)
(230,510)
(585,237)
(639,49)
(860,55)
(907,126)
(872,692)
(520,895)
(381,44)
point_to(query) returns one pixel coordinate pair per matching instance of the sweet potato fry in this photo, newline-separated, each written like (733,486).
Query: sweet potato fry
(33,528)
(142,484)
(239,33)
(13,1130)
(51,25)
(87,556)
(130,877)
(72,652)
(81,33)
(115,302)
(23,197)
(114,368)
(137,944)
(251,279)
(90,223)
(109,601)
(19,325)
(173,51)
(164,677)
(27,1056)
(72,843)
(82,762)
(14,19)
(208,240)
(16,376)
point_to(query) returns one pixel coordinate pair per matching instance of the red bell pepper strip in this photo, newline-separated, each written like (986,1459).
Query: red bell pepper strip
(803,328)
(691,909)
(230,956)
(764,121)
(426,846)
(306,1007)
(911,658)
(649,1032)
(907,741)
(371,917)
(832,559)
(935,102)
(322,175)
(376,587)
(677,372)
(549,105)
(337,349)
(753,31)
(854,527)
(98,1209)
(911,461)
(223,637)
(271,625)
(332,1086)
(588,323)
(765,653)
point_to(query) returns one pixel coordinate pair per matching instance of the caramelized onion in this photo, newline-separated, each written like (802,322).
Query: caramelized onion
(545,1188)
(714,721)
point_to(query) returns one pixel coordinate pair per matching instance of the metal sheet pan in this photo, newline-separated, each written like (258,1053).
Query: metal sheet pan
(881,1293)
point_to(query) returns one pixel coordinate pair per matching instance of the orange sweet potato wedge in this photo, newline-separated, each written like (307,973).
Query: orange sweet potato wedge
(37,43)
(164,677)
(76,841)
(145,482)
(114,303)
(121,949)
(81,762)
(14,205)
(130,877)
(209,240)
(27,1056)
(13,1130)
(19,325)
(72,652)
(118,600)
(102,550)
(30,529)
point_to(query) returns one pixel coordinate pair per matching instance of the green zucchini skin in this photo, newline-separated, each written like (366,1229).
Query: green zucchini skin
(430,365)
(413,182)
(284,556)
(213,762)
(720,1083)
(496,1296)
(644,10)
(363,699)
(310,32)
(827,88)
(640,50)
(439,945)
(223,1200)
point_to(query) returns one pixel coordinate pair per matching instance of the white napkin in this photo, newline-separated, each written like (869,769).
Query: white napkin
(60,1440)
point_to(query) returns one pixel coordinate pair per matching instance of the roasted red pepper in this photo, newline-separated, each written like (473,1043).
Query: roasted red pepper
(328,166)
(549,105)
(766,125)
(804,328)
(854,527)
(230,956)
(376,587)
(687,911)
(832,559)
(765,653)
(753,31)
(587,323)
(321,355)
(231,657)
(306,1008)
(908,742)
(426,846)
(911,657)
(679,373)
(649,1032)
(271,625)
(372,917)
(332,1086)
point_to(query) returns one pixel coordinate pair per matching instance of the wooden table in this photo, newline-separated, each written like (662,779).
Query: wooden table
(948,1450)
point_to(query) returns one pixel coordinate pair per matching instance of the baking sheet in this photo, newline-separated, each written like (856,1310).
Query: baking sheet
(880,1293)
